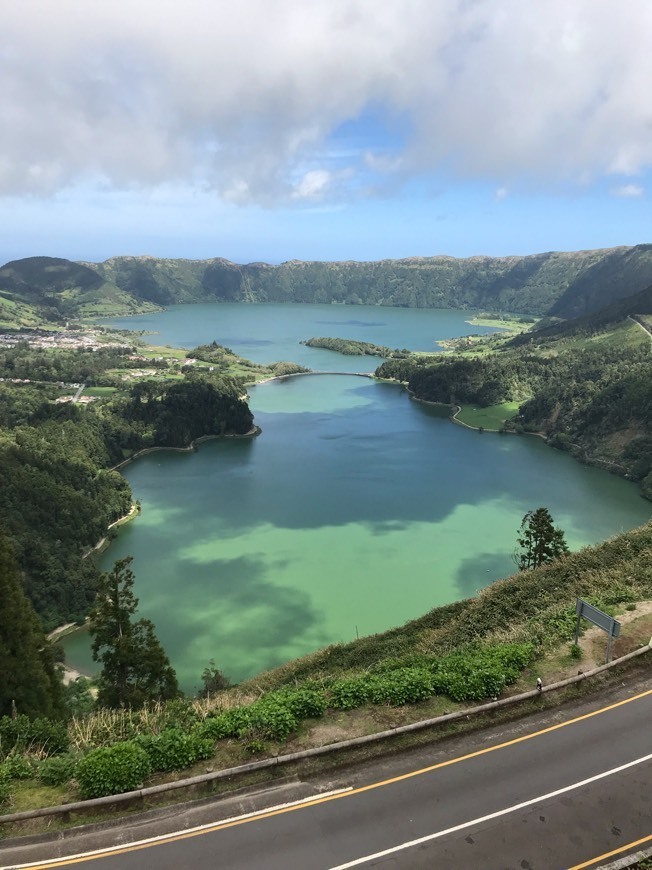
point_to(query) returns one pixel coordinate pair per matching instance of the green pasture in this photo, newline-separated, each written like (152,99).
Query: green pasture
(100,391)
(492,417)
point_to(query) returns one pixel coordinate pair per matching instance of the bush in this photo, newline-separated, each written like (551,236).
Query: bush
(269,718)
(38,735)
(481,673)
(113,769)
(349,694)
(216,727)
(575,651)
(178,713)
(174,749)
(57,770)
(17,766)
(302,703)
(405,686)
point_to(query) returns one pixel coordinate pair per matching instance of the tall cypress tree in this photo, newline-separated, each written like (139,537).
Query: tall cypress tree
(135,668)
(29,681)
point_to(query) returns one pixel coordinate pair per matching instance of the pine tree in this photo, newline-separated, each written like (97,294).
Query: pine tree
(540,541)
(135,668)
(29,681)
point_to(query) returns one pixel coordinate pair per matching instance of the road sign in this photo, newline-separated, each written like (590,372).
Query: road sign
(597,617)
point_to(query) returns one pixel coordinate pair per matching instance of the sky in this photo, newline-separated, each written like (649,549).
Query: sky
(270,130)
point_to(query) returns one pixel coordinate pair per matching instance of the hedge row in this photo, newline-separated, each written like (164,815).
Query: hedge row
(124,765)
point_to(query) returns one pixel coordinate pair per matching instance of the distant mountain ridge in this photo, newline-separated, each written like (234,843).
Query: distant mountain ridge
(560,284)
(564,285)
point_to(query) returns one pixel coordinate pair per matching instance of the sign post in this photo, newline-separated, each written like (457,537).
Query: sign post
(597,617)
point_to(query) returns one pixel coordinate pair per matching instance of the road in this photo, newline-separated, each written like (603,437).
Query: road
(638,323)
(556,797)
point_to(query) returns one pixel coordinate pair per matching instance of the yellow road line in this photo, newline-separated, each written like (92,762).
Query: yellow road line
(217,826)
(613,854)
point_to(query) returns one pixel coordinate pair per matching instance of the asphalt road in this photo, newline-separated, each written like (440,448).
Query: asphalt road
(553,798)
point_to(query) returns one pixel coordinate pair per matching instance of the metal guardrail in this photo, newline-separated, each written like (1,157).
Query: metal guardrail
(112,800)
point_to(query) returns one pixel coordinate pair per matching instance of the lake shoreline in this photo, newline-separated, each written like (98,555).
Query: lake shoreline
(191,448)
(70,673)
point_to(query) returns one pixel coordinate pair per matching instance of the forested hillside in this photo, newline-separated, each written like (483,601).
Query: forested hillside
(58,493)
(591,396)
(53,289)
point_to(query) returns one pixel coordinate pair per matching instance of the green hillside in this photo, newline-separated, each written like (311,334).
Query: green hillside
(586,385)
(632,307)
(49,288)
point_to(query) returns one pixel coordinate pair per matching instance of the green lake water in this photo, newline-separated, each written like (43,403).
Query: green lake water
(355,510)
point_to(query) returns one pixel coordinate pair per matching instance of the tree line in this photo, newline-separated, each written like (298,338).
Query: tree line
(577,397)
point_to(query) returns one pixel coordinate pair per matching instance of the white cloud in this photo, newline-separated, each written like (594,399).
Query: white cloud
(630,191)
(241,97)
(501,193)
(312,185)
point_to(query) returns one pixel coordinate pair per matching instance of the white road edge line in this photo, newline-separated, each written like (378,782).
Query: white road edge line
(163,837)
(358,861)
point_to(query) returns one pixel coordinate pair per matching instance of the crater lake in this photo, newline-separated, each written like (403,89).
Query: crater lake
(355,510)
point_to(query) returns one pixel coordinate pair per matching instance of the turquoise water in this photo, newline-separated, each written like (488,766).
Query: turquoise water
(272,332)
(355,510)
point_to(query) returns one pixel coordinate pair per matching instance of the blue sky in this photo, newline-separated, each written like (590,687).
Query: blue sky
(335,129)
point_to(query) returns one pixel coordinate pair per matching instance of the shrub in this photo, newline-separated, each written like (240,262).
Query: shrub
(349,694)
(174,749)
(215,727)
(404,686)
(18,766)
(270,718)
(467,684)
(78,698)
(302,703)
(58,769)
(112,769)
(38,735)
(481,673)
(575,651)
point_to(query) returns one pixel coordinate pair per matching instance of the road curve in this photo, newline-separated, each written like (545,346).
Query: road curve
(554,798)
